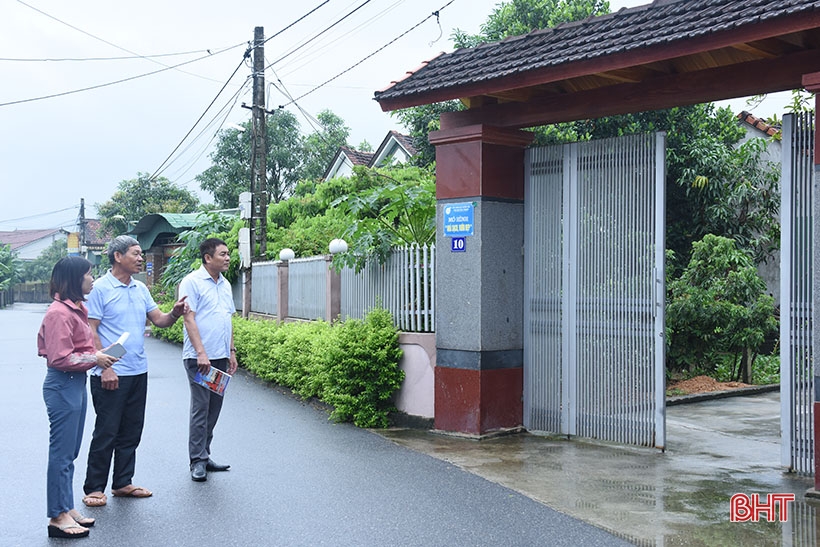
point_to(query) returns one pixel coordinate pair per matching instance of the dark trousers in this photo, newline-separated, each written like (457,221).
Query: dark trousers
(205,408)
(117,431)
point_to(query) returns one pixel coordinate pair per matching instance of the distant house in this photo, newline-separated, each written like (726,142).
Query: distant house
(395,149)
(28,244)
(757,128)
(158,234)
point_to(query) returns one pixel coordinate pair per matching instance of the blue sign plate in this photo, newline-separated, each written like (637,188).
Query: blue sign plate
(458,245)
(458,220)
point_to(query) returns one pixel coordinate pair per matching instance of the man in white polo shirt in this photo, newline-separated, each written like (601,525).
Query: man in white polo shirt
(208,341)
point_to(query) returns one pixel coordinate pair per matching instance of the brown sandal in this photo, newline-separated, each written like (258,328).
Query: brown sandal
(132,491)
(95,499)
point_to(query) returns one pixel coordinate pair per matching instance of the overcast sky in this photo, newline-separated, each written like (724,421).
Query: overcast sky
(57,150)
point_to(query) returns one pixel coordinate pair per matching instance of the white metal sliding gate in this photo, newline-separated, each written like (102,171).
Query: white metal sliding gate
(594,290)
(796,257)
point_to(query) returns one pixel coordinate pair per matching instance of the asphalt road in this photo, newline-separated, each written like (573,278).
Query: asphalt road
(297,479)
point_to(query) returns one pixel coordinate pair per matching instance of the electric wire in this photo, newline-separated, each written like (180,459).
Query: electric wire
(227,109)
(296,21)
(434,14)
(31,217)
(64,93)
(320,33)
(247,52)
(121,58)
(306,57)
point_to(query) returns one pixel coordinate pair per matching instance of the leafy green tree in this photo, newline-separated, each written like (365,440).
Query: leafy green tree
(40,268)
(320,146)
(401,211)
(718,306)
(8,267)
(732,191)
(230,174)
(289,157)
(518,17)
(186,258)
(141,196)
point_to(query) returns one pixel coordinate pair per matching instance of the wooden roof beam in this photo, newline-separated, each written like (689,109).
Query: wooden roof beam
(739,80)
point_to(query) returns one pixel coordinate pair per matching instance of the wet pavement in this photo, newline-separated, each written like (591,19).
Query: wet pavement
(298,479)
(715,449)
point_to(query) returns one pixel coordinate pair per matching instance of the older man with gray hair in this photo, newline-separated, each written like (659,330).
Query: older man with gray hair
(119,304)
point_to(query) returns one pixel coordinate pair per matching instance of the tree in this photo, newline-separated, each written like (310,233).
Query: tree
(289,157)
(518,17)
(511,18)
(141,196)
(322,144)
(8,267)
(187,258)
(230,174)
(40,268)
(718,306)
(399,211)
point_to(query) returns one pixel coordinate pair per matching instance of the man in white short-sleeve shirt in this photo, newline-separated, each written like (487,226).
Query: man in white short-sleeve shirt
(208,341)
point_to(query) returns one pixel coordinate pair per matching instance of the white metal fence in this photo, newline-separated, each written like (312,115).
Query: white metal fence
(404,285)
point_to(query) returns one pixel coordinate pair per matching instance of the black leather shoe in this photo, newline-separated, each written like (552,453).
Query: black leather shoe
(213,466)
(198,471)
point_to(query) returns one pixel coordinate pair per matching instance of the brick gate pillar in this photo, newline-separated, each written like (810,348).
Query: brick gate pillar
(480,289)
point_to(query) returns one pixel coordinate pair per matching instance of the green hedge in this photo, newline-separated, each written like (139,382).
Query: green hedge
(353,366)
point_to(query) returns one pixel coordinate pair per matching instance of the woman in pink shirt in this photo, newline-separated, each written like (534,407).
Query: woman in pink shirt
(66,343)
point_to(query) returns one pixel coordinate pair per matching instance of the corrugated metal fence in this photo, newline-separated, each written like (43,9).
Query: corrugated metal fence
(796,258)
(307,287)
(594,293)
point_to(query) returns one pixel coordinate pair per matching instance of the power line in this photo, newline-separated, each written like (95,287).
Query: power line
(294,23)
(434,14)
(147,58)
(31,217)
(230,105)
(121,58)
(247,52)
(308,56)
(303,44)
(115,82)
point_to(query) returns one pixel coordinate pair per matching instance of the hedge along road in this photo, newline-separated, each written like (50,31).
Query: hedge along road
(296,479)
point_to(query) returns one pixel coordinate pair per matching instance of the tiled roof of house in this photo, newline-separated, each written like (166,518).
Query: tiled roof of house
(95,236)
(758,124)
(662,23)
(406,141)
(357,157)
(20,238)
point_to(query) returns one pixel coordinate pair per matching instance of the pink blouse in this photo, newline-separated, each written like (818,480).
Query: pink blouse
(65,338)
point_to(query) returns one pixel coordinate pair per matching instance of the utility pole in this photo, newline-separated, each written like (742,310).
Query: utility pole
(259,196)
(259,189)
(83,248)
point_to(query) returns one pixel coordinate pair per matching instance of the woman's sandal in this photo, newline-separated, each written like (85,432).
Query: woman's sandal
(79,518)
(95,499)
(55,531)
